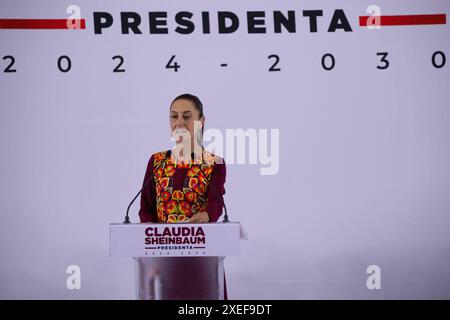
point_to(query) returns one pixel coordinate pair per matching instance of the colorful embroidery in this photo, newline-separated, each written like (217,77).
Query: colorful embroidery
(178,205)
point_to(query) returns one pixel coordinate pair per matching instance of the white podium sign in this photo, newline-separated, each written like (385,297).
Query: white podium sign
(175,239)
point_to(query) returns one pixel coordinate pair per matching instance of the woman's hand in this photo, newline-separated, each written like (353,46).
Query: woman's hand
(200,217)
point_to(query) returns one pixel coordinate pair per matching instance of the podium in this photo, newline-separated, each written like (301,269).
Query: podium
(177,261)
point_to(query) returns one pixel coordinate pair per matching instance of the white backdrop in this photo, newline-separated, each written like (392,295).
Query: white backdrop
(364,153)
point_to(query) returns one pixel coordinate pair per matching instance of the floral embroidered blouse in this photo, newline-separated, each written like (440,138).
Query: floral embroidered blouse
(176,191)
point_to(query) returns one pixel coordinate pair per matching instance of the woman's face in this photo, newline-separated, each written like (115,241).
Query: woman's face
(183,114)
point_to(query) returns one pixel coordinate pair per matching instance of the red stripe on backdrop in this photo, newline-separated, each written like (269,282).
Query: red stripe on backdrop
(42,24)
(405,20)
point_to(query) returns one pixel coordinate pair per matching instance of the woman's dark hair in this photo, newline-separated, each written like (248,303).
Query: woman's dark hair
(194,99)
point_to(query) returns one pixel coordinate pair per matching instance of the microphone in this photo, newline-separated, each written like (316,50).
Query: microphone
(225,217)
(127,217)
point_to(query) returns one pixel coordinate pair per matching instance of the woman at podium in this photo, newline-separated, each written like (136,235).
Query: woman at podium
(185,184)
